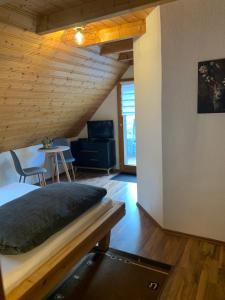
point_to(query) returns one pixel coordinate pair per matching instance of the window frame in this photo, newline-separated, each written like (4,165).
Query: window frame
(123,166)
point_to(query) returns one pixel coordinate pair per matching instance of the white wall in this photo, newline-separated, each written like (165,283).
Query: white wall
(193,144)
(108,111)
(148,75)
(129,74)
(29,157)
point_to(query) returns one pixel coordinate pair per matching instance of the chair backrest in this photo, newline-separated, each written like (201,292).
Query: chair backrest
(60,142)
(17,164)
(63,142)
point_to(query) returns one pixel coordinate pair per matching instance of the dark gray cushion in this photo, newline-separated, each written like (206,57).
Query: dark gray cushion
(28,221)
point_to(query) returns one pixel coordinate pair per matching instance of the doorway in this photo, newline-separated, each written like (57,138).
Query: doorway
(127,125)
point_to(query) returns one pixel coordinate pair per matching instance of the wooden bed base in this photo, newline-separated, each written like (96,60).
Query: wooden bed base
(47,276)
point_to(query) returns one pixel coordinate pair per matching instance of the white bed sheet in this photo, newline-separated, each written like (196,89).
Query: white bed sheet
(15,190)
(15,268)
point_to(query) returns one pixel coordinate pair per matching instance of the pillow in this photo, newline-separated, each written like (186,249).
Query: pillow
(28,221)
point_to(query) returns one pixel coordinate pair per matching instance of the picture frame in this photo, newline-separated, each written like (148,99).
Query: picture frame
(211,86)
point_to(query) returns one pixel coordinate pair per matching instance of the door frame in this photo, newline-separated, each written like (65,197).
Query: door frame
(123,167)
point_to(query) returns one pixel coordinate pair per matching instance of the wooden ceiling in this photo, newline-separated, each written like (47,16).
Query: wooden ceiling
(42,7)
(114,29)
(46,7)
(55,15)
(49,88)
(48,85)
(120,20)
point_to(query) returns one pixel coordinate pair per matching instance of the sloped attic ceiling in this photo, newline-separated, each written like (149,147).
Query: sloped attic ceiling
(48,87)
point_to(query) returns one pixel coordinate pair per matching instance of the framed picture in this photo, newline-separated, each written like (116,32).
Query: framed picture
(211,86)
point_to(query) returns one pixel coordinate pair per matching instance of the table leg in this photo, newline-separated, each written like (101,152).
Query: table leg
(57,167)
(65,166)
(47,165)
(39,179)
(46,162)
(74,176)
(43,179)
(53,167)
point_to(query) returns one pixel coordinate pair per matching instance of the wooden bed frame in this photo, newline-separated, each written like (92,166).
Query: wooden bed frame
(47,276)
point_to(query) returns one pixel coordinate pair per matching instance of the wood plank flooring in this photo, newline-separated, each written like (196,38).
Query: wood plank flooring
(199,266)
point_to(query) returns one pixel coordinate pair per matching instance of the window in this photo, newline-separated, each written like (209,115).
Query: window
(129,122)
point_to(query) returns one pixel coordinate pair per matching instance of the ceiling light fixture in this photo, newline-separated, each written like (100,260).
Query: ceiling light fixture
(79,35)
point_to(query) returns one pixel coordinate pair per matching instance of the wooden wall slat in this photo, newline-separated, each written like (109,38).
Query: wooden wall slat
(48,88)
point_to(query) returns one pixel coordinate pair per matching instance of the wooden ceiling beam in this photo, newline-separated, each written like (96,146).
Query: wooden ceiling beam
(91,11)
(17,18)
(126,56)
(116,33)
(2,2)
(117,47)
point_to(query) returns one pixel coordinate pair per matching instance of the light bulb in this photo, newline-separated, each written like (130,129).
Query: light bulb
(79,36)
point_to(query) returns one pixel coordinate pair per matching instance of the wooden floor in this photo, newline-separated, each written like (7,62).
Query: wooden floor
(199,266)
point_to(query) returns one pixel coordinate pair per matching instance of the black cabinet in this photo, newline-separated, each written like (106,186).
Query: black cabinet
(94,153)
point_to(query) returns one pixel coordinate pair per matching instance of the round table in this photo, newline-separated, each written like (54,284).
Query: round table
(51,154)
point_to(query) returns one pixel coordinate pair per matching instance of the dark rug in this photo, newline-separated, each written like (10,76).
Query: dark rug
(125,177)
(113,275)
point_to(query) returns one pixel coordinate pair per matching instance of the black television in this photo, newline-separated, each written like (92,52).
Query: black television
(100,129)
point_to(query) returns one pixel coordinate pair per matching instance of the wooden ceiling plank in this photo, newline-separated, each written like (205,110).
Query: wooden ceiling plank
(117,47)
(88,12)
(20,19)
(2,2)
(123,19)
(47,87)
(116,33)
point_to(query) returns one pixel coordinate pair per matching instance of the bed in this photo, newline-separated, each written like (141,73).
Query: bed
(33,274)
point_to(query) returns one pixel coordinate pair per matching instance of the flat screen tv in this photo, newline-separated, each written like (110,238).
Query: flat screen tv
(100,129)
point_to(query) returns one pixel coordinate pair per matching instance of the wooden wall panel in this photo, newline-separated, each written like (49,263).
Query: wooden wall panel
(17,17)
(48,88)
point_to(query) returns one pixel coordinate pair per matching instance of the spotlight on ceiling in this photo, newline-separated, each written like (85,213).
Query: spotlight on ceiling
(79,35)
